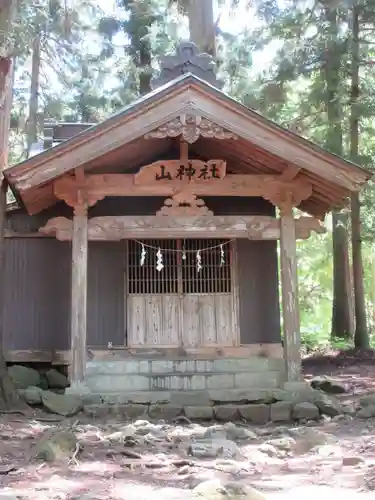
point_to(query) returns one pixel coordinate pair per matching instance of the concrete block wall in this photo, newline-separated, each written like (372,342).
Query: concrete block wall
(159,375)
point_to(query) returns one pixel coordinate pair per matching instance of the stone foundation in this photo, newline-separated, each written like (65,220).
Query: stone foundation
(255,407)
(178,382)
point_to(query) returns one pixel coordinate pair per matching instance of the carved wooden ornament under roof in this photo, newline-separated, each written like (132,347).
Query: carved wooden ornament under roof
(184,205)
(190,128)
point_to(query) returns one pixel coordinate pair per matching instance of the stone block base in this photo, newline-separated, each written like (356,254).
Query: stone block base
(255,407)
(224,389)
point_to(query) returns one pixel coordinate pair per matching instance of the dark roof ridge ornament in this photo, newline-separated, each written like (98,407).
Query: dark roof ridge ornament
(187,59)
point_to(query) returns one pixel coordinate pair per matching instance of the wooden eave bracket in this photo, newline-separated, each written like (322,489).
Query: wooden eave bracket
(117,228)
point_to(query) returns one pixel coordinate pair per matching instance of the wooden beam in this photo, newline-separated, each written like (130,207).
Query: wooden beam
(289,284)
(97,187)
(9,233)
(116,228)
(79,296)
(63,357)
(290,173)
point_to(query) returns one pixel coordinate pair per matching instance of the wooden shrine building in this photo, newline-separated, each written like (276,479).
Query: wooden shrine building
(153,235)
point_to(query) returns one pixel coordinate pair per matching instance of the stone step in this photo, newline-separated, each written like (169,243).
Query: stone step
(186,398)
(115,382)
(178,366)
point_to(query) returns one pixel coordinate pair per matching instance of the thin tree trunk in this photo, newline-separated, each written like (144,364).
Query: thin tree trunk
(361,338)
(341,318)
(32,122)
(341,324)
(201,25)
(9,399)
(139,26)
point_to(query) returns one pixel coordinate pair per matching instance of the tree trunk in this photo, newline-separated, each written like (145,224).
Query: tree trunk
(201,25)
(341,325)
(361,338)
(32,122)
(9,399)
(342,321)
(141,20)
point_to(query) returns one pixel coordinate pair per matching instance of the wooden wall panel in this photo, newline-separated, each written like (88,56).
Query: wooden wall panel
(37,294)
(153,320)
(259,313)
(105,294)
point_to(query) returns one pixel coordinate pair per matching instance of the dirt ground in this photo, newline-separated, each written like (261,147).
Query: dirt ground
(152,461)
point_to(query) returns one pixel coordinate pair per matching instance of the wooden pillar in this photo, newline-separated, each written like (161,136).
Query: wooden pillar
(289,284)
(79,296)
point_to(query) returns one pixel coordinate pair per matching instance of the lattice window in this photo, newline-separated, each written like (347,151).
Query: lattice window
(213,277)
(179,275)
(147,279)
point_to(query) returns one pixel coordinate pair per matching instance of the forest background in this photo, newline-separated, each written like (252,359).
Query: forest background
(308,65)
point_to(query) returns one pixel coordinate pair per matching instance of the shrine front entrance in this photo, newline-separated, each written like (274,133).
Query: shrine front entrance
(181,293)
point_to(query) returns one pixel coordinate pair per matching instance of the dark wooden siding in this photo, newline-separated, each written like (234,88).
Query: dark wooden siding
(38,276)
(37,294)
(106,296)
(258,291)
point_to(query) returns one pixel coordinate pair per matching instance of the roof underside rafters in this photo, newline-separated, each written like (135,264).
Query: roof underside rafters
(118,145)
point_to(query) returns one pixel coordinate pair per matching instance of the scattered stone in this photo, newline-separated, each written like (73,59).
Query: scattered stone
(54,446)
(219,490)
(229,449)
(236,432)
(281,411)
(213,449)
(226,413)
(199,412)
(270,450)
(184,470)
(308,438)
(32,395)
(23,376)
(61,404)
(352,461)
(230,466)
(146,428)
(285,443)
(215,432)
(255,413)
(367,412)
(328,405)
(367,400)
(204,449)
(307,411)
(164,411)
(56,379)
(328,385)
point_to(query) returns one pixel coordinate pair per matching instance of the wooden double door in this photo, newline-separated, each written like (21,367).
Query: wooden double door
(190,302)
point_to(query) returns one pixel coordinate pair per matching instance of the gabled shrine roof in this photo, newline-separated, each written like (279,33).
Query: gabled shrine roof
(256,146)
